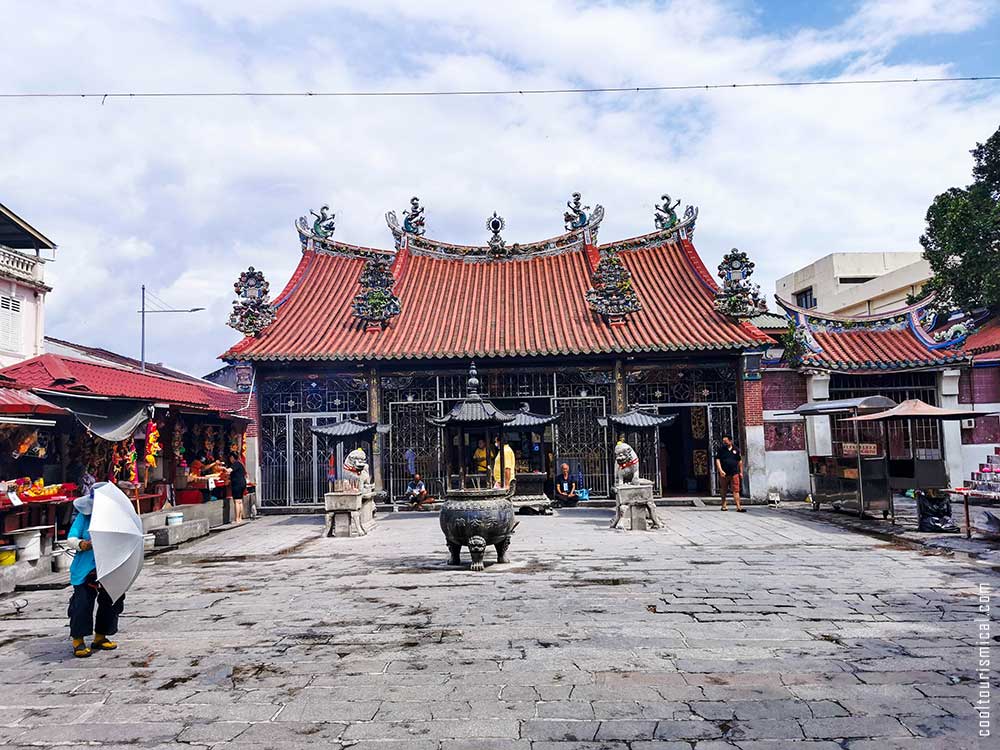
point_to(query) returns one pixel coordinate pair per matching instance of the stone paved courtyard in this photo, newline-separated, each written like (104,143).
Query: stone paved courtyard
(757,630)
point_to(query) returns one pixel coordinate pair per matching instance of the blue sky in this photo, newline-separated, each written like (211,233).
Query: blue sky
(184,194)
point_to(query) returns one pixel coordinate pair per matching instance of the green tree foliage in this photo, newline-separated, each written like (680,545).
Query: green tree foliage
(962,240)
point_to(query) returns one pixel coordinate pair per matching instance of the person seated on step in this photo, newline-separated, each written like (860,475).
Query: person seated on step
(416,493)
(565,488)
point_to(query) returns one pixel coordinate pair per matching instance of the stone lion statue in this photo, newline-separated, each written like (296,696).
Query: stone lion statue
(627,475)
(356,468)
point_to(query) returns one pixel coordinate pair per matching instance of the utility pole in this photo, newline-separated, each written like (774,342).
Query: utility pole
(142,345)
(142,315)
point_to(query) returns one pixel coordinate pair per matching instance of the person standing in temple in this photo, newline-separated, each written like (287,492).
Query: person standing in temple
(503,480)
(729,464)
(480,458)
(238,483)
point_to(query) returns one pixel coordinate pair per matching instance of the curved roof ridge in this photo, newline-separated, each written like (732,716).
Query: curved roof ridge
(893,315)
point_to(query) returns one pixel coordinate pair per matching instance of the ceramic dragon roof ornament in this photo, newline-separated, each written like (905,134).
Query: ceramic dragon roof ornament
(413,220)
(666,219)
(253,311)
(738,297)
(576,217)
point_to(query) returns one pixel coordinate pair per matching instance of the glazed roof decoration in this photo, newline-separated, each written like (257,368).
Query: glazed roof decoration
(581,230)
(892,341)
(253,311)
(376,304)
(424,299)
(738,298)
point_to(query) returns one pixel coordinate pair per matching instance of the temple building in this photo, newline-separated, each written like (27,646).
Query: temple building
(564,326)
(904,354)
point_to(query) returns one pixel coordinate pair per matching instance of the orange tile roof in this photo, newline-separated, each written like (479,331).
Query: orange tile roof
(517,307)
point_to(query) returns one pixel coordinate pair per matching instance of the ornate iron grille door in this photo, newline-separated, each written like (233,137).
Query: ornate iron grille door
(414,446)
(274,461)
(303,464)
(329,454)
(582,443)
(720,422)
(647,447)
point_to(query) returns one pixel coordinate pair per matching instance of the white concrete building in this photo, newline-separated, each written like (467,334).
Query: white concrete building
(22,288)
(856,283)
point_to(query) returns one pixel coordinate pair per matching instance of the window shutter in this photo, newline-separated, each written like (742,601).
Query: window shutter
(10,323)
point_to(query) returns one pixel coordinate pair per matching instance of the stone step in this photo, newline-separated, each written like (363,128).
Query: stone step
(168,536)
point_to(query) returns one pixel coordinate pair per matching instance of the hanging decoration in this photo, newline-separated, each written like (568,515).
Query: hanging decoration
(413,220)
(612,295)
(376,304)
(738,297)
(253,311)
(153,447)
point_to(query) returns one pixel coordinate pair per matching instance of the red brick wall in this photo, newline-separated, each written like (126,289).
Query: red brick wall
(784,436)
(979,385)
(783,390)
(987,430)
(752,402)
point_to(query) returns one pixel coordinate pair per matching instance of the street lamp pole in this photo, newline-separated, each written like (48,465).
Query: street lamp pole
(142,314)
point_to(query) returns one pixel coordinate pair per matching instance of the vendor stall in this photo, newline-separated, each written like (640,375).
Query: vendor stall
(852,473)
(910,465)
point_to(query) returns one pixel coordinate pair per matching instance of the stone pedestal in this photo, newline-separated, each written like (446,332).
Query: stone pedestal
(635,509)
(350,513)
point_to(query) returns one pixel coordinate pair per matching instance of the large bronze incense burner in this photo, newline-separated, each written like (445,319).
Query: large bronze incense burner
(478,517)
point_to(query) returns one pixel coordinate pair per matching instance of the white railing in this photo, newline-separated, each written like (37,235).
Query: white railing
(18,265)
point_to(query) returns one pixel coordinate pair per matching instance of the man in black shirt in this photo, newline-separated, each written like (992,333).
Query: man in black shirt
(729,464)
(565,488)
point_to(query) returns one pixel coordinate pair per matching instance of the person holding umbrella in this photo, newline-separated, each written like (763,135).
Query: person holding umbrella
(104,566)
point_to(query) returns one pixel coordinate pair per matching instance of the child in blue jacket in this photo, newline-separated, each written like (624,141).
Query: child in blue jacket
(87,591)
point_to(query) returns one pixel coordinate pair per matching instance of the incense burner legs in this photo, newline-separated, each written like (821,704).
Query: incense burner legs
(477,524)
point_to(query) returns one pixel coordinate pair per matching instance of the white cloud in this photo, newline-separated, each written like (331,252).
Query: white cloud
(181,194)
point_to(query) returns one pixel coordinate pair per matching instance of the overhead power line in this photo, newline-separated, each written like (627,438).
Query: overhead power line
(486,92)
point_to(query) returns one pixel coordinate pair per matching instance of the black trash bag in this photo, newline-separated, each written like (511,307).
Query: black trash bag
(934,514)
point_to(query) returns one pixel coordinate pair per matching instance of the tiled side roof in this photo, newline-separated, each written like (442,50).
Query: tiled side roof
(536,306)
(985,341)
(52,372)
(868,350)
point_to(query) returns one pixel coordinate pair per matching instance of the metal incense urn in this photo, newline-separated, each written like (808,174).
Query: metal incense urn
(477,517)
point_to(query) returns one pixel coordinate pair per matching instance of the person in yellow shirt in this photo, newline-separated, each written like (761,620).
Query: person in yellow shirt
(480,459)
(508,465)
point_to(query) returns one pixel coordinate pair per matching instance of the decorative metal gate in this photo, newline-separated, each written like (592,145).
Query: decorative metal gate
(274,460)
(582,443)
(295,462)
(720,422)
(414,446)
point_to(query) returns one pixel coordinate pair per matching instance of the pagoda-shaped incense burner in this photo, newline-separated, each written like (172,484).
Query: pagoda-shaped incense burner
(473,517)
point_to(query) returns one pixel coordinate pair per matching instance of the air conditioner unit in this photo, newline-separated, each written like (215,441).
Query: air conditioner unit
(968,424)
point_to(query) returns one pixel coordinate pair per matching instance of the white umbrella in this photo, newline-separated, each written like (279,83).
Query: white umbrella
(116,533)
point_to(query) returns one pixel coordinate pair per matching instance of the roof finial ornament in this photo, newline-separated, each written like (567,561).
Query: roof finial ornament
(325,222)
(576,217)
(472,385)
(665,215)
(253,311)
(413,220)
(496,224)
(738,297)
